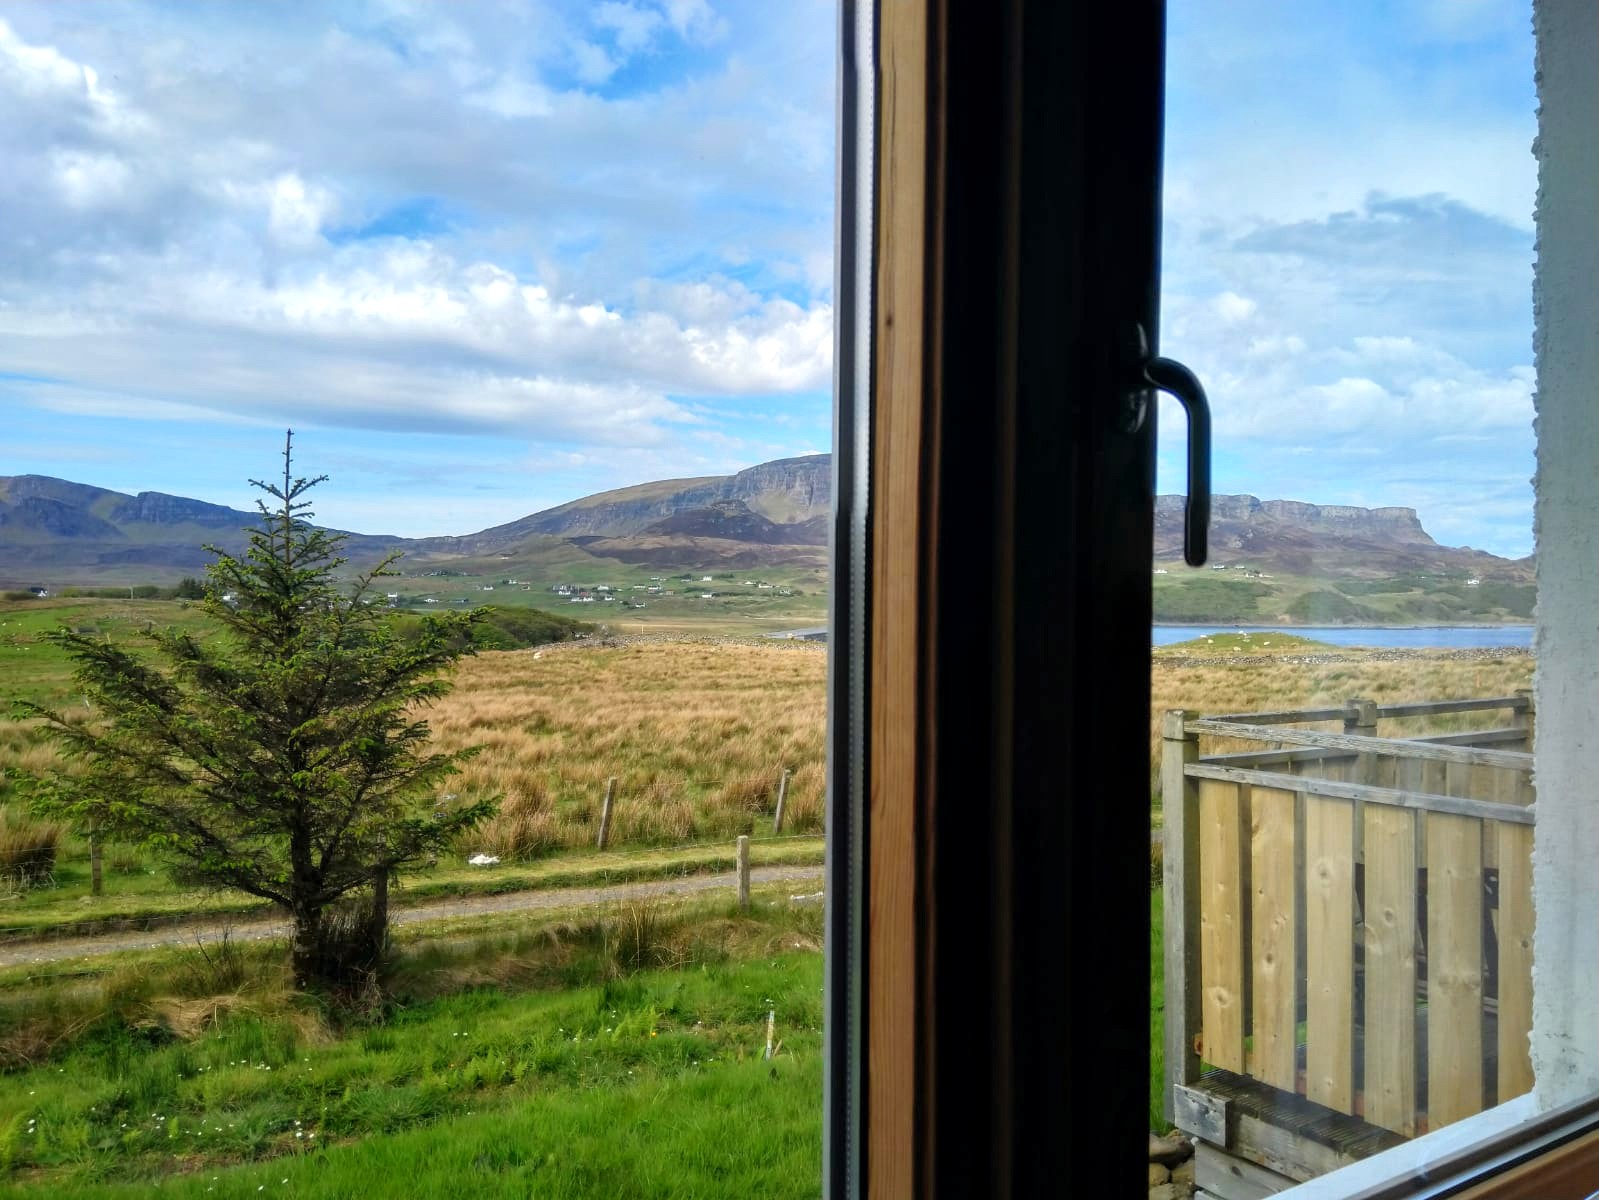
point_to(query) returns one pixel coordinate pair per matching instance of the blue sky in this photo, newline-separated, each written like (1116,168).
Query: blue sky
(491,257)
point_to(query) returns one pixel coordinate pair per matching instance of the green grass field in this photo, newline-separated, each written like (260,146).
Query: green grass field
(554,1059)
(1226,597)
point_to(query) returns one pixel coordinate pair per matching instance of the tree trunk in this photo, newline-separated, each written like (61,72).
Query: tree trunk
(378,929)
(306,948)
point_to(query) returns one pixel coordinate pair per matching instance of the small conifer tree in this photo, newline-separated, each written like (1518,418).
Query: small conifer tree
(286,756)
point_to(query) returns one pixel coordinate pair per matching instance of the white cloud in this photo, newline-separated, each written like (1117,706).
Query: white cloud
(695,20)
(251,242)
(593,64)
(43,72)
(633,25)
(296,213)
(513,98)
(1233,308)
(88,181)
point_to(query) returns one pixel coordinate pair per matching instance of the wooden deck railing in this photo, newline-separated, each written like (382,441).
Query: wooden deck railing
(1348,916)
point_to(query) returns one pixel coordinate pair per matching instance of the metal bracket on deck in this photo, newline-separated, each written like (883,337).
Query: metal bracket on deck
(1200,1113)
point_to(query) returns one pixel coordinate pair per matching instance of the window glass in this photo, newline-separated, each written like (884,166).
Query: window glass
(1348,265)
(545,289)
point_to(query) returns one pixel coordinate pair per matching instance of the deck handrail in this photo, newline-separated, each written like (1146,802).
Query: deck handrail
(1360,744)
(1262,758)
(1417,708)
(1486,810)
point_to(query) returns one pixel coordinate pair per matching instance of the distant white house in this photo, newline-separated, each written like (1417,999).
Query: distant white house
(1473,582)
(705,579)
(1162,571)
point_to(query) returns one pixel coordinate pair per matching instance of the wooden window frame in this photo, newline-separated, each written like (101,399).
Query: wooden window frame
(997,255)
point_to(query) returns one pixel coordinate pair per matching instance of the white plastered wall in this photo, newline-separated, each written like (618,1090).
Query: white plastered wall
(1565,1037)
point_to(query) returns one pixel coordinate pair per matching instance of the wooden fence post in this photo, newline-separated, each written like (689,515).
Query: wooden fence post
(782,798)
(96,882)
(1526,718)
(1360,719)
(605,812)
(743,861)
(1180,879)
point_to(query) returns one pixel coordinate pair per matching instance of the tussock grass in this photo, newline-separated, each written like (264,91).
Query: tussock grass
(696,734)
(28,850)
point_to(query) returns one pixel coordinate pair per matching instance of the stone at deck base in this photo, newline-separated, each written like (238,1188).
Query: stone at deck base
(1170,1150)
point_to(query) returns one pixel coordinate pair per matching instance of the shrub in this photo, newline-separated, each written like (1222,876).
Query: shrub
(522,834)
(219,967)
(639,937)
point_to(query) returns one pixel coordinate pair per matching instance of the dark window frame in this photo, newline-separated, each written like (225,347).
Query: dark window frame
(989,914)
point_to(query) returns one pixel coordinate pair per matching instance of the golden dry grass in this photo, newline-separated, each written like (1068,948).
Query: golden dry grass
(696,735)
(697,732)
(1222,686)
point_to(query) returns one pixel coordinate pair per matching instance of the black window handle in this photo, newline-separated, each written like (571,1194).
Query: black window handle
(1172,377)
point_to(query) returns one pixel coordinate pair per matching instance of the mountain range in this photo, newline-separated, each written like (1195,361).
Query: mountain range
(55,532)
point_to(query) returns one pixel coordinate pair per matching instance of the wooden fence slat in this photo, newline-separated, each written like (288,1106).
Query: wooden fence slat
(1273,932)
(1434,779)
(1482,810)
(1515,959)
(1454,968)
(1330,952)
(1390,942)
(1429,708)
(1222,822)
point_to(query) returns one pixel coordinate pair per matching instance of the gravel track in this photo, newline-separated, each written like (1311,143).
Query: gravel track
(259,929)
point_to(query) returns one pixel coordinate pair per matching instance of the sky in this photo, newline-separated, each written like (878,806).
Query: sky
(489,257)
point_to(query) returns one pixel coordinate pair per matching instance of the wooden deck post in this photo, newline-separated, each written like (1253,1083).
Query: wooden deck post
(1526,718)
(1180,880)
(1360,719)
